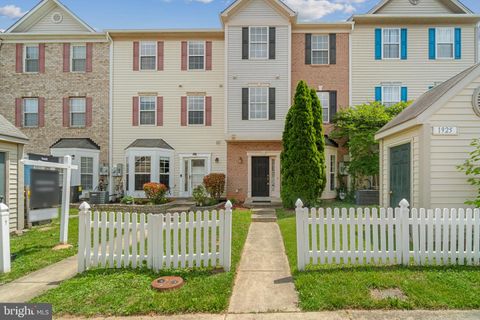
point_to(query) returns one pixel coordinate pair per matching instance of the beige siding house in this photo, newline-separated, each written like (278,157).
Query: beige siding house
(421,148)
(168,108)
(12,142)
(400,50)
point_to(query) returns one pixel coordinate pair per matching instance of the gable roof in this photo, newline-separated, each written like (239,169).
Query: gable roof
(36,12)
(150,143)
(455,3)
(8,132)
(224,15)
(433,97)
(75,143)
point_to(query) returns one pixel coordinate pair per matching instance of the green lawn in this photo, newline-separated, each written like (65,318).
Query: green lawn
(348,287)
(34,251)
(124,292)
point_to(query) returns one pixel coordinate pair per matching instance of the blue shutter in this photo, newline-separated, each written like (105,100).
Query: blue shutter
(458,43)
(404,44)
(431,44)
(404,93)
(378,44)
(378,94)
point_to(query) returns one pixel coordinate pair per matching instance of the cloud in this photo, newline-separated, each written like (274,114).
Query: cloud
(11,11)
(310,10)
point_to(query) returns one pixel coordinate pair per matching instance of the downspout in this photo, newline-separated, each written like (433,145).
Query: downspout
(350,91)
(110,120)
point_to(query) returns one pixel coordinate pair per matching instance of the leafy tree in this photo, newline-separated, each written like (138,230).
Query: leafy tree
(301,164)
(471,167)
(317,113)
(357,127)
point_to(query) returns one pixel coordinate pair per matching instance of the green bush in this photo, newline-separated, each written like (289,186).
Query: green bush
(471,167)
(127,200)
(301,162)
(215,185)
(155,192)
(199,195)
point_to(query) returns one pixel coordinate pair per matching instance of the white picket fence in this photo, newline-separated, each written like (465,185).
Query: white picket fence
(387,236)
(160,241)
(5,259)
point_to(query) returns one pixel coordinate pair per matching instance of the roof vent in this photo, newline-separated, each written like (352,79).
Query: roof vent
(476,101)
(57,17)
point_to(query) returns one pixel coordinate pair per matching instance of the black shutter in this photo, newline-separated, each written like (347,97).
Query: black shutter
(333,48)
(245,43)
(271,103)
(271,43)
(308,48)
(333,105)
(244,103)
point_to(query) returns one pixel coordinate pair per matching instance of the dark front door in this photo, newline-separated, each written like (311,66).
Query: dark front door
(3,178)
(260,179)
(399,174)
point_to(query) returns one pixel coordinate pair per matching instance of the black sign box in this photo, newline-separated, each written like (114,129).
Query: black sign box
(44,189)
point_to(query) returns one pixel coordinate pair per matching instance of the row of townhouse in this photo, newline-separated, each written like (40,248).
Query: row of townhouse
(133,106)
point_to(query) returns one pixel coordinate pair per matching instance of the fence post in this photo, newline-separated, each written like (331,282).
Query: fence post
(4,239)
(227,245)
(300,235)
(82,216)
(404,216)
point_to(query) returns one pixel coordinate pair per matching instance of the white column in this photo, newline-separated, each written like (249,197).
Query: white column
(404,216)
(67,177)
(300,235)
(4,239)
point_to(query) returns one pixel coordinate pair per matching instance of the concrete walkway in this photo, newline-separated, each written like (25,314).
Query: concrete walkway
(263,282)
(28,287)
(334,315)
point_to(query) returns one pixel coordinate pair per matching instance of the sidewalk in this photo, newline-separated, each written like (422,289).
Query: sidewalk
(35,283)
(263,282)
(333,315)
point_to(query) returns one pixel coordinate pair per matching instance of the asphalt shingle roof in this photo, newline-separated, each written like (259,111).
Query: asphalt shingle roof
(7,130)
(150,143)
(75,143)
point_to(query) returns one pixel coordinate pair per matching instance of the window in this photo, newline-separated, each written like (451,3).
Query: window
(324,97)
(320,49)
(32,60)
(196,55)
(127,176)
(258,42)
(148,55)
(30,112)
(86,173)
(77,112)
(165,171)
(391,43)
(79,58)
(445,43)
(142,172)
(258,103)
(196,110)
(333,170)
(147,110)
(390,95)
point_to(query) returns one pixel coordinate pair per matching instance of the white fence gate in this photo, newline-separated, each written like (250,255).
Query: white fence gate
(387,236)
(160,241)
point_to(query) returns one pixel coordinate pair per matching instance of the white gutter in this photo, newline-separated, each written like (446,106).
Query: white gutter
(110,122)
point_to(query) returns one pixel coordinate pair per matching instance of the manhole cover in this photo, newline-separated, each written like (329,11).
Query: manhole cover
(167,283)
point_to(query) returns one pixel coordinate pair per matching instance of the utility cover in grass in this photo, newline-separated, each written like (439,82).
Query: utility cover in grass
(392,293)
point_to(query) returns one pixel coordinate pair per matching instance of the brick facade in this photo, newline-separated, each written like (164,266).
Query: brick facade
(329,77)
(54,85)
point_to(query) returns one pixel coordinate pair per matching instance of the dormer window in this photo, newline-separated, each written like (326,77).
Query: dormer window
(258,42)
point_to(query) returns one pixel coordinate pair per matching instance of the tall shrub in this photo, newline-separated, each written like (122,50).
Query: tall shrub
(301,164)
(215,184)
(317,113)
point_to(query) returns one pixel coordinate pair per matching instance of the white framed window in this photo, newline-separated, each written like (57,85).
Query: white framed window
(148,55)
(324,97)
(86,173)
(143,169)
(391,95)
(333,171)
(258,45)
(258,103)
(320,49)
(196,110)
(148,110)
(78,110)
(164,171)
(445,43)
(78,57)
(196,55)
(30,112)
(391,43)
(31,58)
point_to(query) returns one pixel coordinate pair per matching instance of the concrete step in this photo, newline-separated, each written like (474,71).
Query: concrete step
(264,215)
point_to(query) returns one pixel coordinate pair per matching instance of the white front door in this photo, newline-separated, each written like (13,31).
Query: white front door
(194,170)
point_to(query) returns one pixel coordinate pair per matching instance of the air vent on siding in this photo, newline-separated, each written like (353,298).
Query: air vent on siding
(476,101)
(57,17)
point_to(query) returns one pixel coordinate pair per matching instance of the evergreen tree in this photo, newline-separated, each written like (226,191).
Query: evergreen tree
(317,112)
(300,159)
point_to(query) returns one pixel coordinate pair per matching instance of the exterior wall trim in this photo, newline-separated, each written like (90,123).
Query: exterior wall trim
(276,154)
